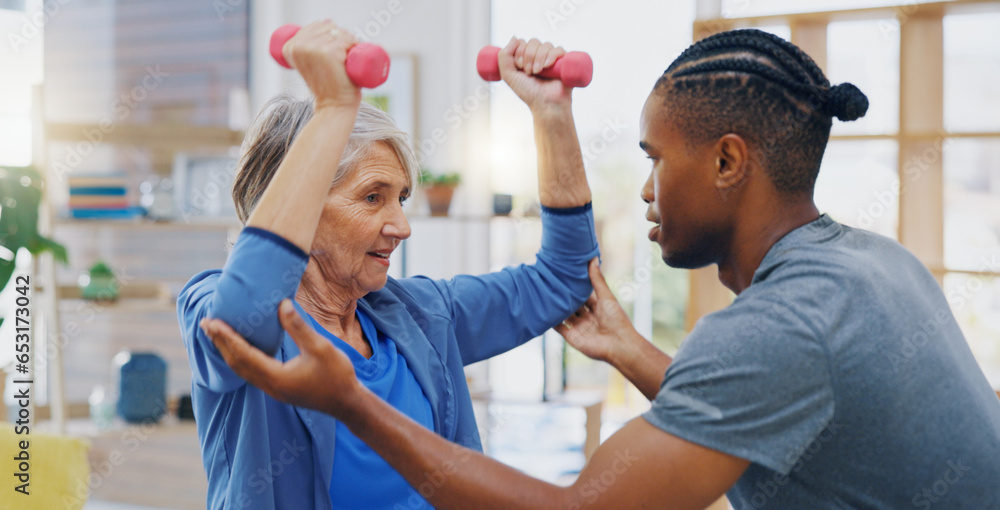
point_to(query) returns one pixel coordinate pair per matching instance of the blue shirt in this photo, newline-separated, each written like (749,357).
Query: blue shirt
(356,466)
(842,376)
(261,453)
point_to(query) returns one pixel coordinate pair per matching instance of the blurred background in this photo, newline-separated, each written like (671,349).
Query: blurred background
(148,101)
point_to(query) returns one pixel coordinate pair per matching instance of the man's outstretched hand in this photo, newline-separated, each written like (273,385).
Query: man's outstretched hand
(601,330)
(600,326)
(294,382)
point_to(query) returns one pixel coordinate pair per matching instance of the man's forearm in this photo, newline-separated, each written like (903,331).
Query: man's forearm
(562,181)
(642,363)
(446,474)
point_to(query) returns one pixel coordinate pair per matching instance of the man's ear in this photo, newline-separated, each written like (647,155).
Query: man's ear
(732,166)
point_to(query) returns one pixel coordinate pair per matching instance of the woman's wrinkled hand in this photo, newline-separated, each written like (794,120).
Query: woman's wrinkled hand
(318,52)
(321,377)
(520,61)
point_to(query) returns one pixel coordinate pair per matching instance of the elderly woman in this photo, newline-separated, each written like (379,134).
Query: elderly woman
(320,190)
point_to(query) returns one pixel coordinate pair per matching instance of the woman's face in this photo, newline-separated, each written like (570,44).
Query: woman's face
(362,223)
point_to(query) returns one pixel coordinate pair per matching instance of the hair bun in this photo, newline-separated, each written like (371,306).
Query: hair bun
(846,102)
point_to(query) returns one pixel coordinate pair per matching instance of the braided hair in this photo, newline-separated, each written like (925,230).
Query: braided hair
(768,91)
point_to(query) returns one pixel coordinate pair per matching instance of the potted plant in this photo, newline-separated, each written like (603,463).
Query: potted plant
(101,284)
(439,188)
(20,196)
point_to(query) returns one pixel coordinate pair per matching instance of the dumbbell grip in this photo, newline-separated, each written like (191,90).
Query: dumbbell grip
(574,69)
(367,64)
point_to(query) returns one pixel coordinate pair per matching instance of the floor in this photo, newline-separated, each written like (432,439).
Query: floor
(145,467)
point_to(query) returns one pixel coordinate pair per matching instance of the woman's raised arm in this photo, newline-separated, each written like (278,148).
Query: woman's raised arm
(562,182)
(293,201)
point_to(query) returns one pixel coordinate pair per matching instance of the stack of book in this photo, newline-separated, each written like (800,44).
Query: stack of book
(99,196)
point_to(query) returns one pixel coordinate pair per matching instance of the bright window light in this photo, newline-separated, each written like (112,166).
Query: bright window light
(15,140)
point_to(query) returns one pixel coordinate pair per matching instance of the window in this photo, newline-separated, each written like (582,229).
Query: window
(971,167)
(744,8)
(21,55)
(972,71)
(972,204)
(858,184)
(866,54)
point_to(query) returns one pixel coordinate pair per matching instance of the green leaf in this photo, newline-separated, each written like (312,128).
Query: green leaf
(40,244)
(20,195)
(428,178)
(6,270)
(100,269)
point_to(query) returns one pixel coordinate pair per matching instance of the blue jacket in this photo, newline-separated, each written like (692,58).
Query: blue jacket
(261,453)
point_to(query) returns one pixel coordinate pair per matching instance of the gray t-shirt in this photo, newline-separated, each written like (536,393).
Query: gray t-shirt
(842,376)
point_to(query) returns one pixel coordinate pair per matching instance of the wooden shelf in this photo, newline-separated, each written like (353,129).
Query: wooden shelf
(201,224)
(177,137)
(147,291)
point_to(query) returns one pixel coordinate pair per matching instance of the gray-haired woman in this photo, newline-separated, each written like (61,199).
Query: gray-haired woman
(320,191)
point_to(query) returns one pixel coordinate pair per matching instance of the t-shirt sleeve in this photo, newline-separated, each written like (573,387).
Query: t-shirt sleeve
(752,381)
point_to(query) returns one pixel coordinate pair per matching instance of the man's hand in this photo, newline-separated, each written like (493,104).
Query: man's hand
(601,330)
(599,326)
(295,382)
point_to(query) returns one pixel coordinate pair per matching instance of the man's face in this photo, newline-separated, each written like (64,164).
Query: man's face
(684,202)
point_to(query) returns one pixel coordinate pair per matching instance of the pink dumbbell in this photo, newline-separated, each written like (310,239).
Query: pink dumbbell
(574,69)
(367,64)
